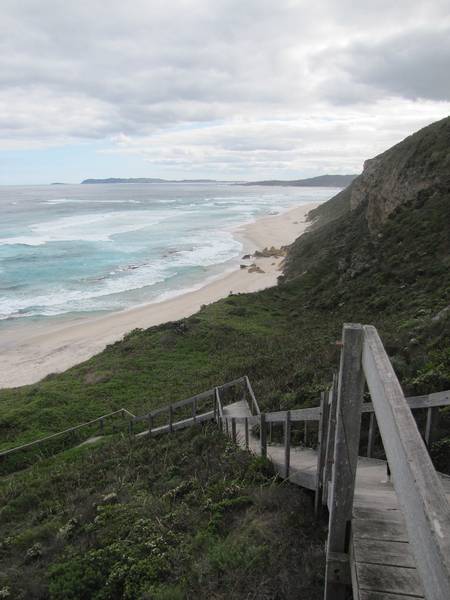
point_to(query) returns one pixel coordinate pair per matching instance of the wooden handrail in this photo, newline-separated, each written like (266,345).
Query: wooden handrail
(254,407)
(418,487)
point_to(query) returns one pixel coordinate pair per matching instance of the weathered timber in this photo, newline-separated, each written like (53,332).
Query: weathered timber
(329,454)
(350,396)
(419,489)
(321,450)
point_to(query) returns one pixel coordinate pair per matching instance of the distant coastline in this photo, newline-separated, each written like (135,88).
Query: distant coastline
(320,181)
(340,181)
(149,180)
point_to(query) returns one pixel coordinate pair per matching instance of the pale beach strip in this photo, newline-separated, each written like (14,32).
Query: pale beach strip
(30,353)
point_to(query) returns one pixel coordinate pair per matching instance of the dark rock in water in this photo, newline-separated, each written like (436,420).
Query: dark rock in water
(246,257)
(244,266)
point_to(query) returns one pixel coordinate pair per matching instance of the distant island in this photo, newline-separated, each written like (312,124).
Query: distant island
(320,181)
(150,180)
(340,181)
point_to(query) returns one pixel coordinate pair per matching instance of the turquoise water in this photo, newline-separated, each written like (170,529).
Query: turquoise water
(85,248)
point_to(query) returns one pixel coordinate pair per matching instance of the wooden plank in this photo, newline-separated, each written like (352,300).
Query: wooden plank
(377,529)
(300,414)
(231,383)
(385,578)
(383,552)
(415,402)
(350,397)
(369,595)
(419,488)
(201,418)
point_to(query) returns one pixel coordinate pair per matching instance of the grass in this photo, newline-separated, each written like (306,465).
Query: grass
(185,516)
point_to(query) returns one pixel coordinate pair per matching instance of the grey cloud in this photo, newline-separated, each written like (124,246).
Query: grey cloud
(272,85)
(413,64)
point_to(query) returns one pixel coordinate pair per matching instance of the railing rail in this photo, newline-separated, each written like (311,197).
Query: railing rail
(122,411)
(419,489)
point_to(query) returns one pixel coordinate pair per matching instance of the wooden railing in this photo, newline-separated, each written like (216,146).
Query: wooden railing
(210,409)
(417,485)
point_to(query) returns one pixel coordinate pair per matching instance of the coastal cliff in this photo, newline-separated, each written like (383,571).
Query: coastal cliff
(410,171)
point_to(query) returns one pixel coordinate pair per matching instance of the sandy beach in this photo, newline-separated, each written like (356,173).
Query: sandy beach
(31,352)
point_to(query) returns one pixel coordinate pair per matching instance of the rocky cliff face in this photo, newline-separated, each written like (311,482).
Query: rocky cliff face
(418,165)
(400,201)
(416,168)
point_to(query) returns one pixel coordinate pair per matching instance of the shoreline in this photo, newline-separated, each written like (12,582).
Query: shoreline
(31,352)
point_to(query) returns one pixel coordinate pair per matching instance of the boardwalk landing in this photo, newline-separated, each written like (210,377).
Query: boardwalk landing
(383,566)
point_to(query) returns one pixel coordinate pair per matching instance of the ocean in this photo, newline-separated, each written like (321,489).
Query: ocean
(74,249)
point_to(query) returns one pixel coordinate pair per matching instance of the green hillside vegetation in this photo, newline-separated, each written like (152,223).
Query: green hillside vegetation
(183,516)
(284,339)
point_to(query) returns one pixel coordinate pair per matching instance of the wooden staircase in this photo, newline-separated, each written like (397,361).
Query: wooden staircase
(389,520)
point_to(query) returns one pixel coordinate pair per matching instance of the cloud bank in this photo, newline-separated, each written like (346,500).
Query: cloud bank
(223,88)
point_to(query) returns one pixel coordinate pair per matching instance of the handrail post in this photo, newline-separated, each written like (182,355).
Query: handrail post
(348,426)
(430,425)
(263,434)
(371,436)
(246,433)
(233,429)
(321,451)
(287,444)
(331,434)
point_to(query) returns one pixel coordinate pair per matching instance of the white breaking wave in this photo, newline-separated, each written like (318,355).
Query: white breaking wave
(210,248)
(95,227)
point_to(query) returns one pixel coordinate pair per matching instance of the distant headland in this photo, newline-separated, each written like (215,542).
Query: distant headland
(150,180)
(320,181)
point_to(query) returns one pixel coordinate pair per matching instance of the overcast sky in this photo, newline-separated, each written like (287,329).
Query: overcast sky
(225,89)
